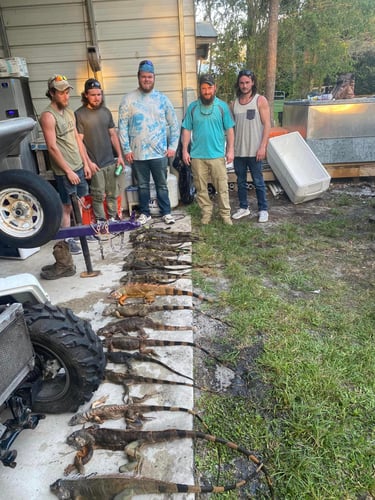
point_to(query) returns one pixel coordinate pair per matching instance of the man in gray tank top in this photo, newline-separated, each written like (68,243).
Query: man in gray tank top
(66,152)
(251,114)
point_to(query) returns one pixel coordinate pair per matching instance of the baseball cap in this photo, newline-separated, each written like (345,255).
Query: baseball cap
(207,78)
(59,82)
(146,66)
(91,83)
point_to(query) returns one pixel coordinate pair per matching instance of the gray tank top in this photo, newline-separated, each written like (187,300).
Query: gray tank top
(248,129)
(65,140)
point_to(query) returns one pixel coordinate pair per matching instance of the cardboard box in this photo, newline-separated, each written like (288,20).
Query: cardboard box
(14,66)
(3,68)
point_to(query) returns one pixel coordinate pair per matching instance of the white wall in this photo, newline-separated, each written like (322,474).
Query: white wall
(53,37)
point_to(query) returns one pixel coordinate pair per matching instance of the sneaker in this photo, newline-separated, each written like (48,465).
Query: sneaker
(263,216)
(74,249)
(242,212)
(168,219)
(143,218)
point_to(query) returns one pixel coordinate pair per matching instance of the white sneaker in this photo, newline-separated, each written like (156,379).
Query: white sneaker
(263,216)
(242,212)
(143,218)
(168,219)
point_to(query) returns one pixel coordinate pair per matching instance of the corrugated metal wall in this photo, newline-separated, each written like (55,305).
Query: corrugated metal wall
(53,37)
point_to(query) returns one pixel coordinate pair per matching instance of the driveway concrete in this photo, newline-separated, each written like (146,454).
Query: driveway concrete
(42,452)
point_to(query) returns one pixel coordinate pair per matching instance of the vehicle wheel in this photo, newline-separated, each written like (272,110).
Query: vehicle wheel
(30,209)
(69,358)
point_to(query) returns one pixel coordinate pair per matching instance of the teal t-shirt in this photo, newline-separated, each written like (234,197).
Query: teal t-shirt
(208,125)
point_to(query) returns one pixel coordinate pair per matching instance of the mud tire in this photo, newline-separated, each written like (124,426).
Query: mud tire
(30,209)
(59,336)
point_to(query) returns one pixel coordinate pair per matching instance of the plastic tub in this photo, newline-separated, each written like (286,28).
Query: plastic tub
(296,167)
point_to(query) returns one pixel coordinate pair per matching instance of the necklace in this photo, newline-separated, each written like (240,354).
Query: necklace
(206,110)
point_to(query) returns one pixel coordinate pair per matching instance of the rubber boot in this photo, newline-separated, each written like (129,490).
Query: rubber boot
(63,266)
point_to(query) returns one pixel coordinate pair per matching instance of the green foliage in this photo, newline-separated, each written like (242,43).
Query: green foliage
(317,40)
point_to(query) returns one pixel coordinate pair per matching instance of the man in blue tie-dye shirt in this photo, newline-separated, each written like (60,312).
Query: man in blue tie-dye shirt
(149,134)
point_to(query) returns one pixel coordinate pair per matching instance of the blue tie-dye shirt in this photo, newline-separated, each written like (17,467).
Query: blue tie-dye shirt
(148,125)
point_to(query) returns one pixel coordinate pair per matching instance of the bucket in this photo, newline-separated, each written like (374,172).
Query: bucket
(132,195)
(172,192)
(126,180)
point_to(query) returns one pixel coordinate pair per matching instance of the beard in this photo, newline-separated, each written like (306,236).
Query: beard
(147,88)
(61,106)
(207,101)
(96,105)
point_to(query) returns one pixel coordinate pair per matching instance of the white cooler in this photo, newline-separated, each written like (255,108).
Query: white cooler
(296,167)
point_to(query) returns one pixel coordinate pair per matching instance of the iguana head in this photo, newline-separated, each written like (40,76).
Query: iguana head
(79,439)
(78,418)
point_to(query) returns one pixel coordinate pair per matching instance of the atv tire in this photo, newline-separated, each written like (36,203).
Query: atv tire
(69,358)
(30,209)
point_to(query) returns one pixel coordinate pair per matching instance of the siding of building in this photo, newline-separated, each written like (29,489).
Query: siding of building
(53,38)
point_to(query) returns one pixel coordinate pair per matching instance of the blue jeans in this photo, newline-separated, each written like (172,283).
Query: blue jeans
(241,164)
(158,169)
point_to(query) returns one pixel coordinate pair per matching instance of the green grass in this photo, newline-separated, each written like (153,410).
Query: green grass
(309,290)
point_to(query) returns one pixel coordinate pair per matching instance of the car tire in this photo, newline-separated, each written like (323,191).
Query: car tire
(30,209)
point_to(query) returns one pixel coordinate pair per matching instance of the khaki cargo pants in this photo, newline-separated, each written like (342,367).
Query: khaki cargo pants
(214,170)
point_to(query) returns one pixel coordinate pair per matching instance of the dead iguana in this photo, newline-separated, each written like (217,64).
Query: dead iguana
(121,357)
(149,291)
(152,276)
(139,309)
(127,379)
(134,324)
(162,235)
(130,412)
(144,254)
(153,262)
(123,487)
(179,248)
(95,437)
(129,343)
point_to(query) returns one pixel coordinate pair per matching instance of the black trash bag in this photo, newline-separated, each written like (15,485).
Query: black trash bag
(185,177)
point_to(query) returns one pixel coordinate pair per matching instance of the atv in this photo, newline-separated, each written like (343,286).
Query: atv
(51,361)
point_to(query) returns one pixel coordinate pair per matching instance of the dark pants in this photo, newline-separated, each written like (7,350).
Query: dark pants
(241,164)
(158,169)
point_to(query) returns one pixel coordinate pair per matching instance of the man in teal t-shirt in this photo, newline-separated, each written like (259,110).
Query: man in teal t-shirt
(208,128)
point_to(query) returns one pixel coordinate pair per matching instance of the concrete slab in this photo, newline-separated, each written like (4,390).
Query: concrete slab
(43,453)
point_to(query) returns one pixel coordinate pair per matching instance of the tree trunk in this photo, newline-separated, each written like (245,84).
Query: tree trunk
(272,52)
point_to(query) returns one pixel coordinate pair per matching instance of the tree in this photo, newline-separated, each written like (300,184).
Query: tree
(272,52)
(316,41)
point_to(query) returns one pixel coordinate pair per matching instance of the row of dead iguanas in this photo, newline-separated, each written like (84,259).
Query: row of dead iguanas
(145,264)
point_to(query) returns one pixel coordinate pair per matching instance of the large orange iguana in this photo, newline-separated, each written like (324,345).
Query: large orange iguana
(149,291)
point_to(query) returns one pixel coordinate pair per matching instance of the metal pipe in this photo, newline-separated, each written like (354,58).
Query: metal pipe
(85,248)
(92,22)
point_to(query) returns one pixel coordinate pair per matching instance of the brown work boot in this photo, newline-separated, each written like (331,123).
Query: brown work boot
(228,221)
(63,266)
